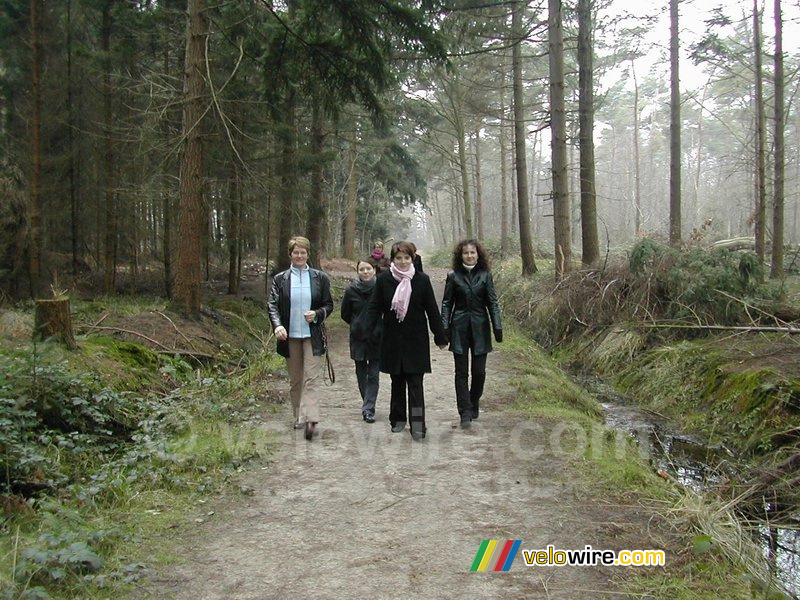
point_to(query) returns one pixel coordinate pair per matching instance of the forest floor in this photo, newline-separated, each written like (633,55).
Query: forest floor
(361,512)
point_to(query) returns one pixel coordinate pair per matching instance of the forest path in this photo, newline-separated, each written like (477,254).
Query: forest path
(360,512)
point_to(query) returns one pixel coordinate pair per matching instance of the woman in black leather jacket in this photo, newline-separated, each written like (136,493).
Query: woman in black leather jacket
(470,312)
(299,301)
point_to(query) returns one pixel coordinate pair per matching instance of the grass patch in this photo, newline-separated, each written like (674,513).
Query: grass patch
(721,554)
(610,460)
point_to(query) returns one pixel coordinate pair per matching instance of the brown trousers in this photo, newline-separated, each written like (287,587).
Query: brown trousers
(305,379)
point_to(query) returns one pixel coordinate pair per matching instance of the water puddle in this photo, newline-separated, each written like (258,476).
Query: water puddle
(695,465)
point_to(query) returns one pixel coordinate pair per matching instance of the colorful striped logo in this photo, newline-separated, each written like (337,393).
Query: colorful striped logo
(495,555)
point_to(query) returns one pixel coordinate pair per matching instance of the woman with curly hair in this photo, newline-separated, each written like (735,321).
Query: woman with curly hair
(470,312)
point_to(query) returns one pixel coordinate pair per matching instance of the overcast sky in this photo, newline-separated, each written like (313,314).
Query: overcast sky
(692,16)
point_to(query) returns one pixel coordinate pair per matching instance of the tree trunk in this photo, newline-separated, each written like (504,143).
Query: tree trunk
(504,235)
(288,178)
(761,139)
(73,198)
(776,271)
(134,246)
(478,188)
(166,199)
(315,225)
(234,235)
(110,246)
(674,130)
(35,208)
(463,163)
(558,137)
(637,175)
(525,242)
(590,246)
(167,242)
(351,201)
(191,225)
(52,319)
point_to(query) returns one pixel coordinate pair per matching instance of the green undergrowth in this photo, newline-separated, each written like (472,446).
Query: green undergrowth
(107,449)
(671,379)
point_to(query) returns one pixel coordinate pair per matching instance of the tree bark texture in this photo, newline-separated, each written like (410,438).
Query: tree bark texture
(637,174)
(463,163)
(234,221)
(478,188)
(288,178)
(761,139)
(503,136)
(558,139)
(525,242)
(590,246)
(674,129)
(316,222)
(351,200)
(35,208)
(110,245)
(776,270)
(191,223)
(52,320)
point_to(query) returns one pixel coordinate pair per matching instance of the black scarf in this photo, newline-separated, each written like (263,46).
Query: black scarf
(364,287)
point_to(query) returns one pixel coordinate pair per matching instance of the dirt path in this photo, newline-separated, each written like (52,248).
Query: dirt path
(361,512)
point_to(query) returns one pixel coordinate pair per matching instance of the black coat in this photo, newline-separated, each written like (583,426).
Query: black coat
(365,341)
(405,346)
(470,303)
(280,302)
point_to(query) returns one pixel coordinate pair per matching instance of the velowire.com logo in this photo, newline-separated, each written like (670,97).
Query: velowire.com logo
(495,555)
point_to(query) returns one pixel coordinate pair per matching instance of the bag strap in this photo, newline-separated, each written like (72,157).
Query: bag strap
(328,364)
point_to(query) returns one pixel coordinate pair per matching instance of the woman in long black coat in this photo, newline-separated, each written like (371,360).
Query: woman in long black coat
(404,300)
(470,312)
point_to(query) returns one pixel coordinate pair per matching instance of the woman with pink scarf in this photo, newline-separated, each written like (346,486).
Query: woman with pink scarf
(403,298)
(378,260)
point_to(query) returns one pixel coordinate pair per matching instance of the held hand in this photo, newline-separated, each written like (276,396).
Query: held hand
(280,333)
(310,315)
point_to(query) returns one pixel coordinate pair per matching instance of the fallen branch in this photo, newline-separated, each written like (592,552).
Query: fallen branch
(188,341)
(103,318)
(754,328)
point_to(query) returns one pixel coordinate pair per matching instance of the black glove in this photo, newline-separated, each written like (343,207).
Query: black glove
(498,335)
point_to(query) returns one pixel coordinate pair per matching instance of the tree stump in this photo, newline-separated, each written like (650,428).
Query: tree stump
(53,319)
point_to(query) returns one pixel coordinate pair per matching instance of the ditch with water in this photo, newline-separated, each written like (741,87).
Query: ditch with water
(695,465)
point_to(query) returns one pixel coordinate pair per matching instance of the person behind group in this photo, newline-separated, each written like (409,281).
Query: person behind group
(377,258)
(404,300)
(469,309)
(417,258)
(299,302)
(364,340)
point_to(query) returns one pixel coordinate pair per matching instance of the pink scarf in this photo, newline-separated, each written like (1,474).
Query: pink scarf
(403,292)
(377,254)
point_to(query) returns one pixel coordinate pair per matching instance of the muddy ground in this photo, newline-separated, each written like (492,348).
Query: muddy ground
(361,512)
